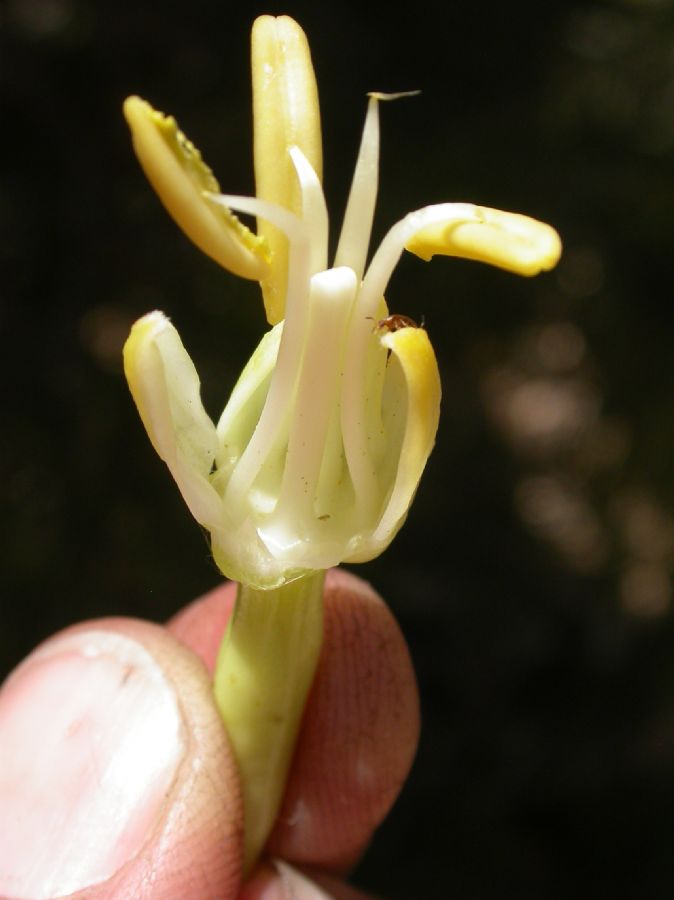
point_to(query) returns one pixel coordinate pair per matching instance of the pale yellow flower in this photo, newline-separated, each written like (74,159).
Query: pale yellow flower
(320,448)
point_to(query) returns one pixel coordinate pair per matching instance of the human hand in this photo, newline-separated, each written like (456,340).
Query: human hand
(117,781)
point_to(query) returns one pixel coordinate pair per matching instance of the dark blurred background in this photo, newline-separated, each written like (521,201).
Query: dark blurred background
(533,578)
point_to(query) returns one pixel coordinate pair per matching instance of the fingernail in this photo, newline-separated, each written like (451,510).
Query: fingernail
(277,880)
(295,886)
(91,737)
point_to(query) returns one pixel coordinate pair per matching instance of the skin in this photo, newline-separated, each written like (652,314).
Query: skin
(356,746)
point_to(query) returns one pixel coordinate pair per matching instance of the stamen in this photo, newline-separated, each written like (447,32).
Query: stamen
(299,239)
(354,239)
(288,222)
(390,250)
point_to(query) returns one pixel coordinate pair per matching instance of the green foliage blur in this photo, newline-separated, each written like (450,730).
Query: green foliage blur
(533,579)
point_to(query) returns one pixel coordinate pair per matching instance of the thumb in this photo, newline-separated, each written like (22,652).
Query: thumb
(116,778)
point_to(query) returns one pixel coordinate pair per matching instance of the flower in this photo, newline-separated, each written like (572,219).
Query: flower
(320,448)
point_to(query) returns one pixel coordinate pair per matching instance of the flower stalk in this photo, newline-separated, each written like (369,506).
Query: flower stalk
(263,674)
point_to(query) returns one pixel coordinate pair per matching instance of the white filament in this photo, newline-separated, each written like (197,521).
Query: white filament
(314,210)
(282,386)
(354,238)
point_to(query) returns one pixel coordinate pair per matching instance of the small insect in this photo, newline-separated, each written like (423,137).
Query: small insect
(395,322)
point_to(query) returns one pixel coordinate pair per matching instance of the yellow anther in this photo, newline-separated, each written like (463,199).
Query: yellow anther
(182,180)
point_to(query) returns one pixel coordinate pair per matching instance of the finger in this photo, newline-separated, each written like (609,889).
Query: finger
(116,778)
(359,733)
(279,881)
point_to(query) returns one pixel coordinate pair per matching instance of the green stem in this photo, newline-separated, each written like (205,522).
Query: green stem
(265,668)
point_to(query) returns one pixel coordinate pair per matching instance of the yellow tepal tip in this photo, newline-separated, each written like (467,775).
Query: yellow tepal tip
(175,169)
(508,240)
